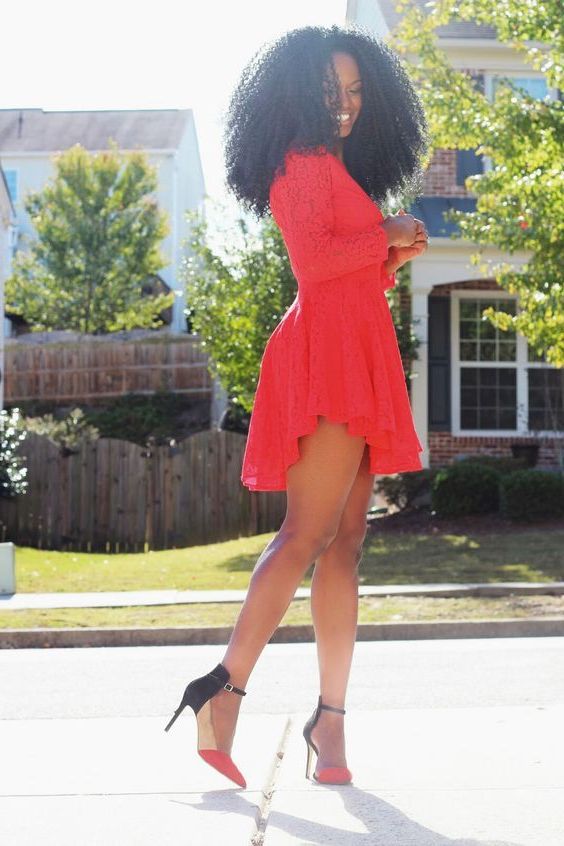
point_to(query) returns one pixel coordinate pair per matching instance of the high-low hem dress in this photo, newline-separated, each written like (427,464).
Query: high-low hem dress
(335,351)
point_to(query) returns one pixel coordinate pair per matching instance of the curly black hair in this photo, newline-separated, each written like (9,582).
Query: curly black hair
(279,104)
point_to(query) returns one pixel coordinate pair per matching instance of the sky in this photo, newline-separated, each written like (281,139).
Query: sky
(120,54)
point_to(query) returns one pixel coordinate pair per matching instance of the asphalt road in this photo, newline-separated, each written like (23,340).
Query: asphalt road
(148,681)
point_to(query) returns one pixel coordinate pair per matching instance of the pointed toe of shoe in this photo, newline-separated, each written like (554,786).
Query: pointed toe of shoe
(334,775)
(222,762)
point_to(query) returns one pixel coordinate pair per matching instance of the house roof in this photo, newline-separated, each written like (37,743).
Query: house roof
(35,130)
(454,29)
(430,211)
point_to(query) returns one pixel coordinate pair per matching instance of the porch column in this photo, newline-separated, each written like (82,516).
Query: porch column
(419,382)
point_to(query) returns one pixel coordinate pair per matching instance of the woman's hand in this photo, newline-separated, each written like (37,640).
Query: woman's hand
(401,229)
(400,255)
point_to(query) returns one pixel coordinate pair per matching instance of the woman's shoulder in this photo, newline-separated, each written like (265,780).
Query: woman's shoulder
(304,166)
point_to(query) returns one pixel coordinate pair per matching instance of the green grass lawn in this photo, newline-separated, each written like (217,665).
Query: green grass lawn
(402,558)
(371,610)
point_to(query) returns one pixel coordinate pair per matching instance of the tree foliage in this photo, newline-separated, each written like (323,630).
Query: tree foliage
(98,236)
(13,471)
(237,294)
(520,200)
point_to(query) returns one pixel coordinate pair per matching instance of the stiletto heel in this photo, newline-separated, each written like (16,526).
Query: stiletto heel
(197,695)
(328,775)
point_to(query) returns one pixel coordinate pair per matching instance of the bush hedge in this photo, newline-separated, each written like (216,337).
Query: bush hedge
(503,464)
(402,489)
(532,495)
(465,488)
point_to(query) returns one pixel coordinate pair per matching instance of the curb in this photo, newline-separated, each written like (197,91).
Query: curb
(186,636)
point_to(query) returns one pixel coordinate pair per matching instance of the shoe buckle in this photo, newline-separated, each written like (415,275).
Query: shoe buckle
(228,686)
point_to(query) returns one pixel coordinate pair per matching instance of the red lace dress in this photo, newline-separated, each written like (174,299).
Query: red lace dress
(334,352)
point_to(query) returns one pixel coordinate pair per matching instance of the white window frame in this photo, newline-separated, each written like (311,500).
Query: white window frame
(521,364)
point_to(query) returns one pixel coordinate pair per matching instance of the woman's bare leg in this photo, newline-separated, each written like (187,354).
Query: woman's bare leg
(318,486)
(334,606)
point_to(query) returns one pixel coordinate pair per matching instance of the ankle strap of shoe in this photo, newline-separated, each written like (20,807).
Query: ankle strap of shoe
(220,673)
(228,686)
(332,708)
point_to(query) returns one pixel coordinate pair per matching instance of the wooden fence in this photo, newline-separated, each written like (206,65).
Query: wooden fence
(94,369)
(115,496)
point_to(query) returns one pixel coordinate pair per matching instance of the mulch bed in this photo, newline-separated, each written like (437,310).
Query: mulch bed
(423,521)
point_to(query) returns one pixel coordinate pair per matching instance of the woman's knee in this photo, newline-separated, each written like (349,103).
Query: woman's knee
(349,541)
(307,540)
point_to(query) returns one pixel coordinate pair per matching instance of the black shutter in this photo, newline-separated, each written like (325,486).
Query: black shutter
(467,163)
(438,400)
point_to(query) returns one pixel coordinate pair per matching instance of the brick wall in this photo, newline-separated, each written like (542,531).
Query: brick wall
(444,447)
(440,177)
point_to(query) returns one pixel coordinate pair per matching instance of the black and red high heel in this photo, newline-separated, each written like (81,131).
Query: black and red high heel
(198,694)
(328,775)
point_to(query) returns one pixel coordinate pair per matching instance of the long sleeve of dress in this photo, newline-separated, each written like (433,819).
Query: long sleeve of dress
(301,201)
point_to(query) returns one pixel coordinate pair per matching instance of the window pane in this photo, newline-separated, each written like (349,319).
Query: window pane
(507,418)
(487,351)
(487,330)
(469,397)
(536,419)
(534,86)
(546,398)
(487,402)
(487,418)
(506,396)
(468,309)
(534,356)
(468,351)
(507,377)
(507,351)
(468,329)
(469,418)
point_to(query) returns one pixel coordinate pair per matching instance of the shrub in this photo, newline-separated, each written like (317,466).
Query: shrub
(136,417)
(532,495)
(68,433)
(402,489)
(465,488)
(12,469)
(503,464)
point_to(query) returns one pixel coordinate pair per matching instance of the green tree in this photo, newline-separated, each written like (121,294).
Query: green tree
(520,201)
(237,294)
(98,235)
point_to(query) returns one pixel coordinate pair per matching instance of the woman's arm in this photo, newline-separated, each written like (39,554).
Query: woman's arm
(302,204)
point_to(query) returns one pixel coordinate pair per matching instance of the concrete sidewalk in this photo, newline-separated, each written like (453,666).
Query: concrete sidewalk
(443,777)
(124,598)
(451,743)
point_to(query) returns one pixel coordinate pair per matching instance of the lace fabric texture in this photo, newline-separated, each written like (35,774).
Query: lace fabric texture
(334,352)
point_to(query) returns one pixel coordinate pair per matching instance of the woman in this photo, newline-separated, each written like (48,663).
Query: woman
(323,125)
